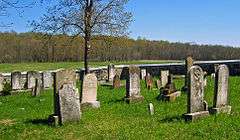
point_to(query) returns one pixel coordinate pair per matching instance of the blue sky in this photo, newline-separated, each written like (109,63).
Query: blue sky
(199,21)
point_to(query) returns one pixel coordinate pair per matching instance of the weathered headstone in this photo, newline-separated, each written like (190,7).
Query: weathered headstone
(66,96)
(37,88)
(221,91)
(133,85)
(47,79)
(196,105)
(149,81)
(16,80)
(151,109)
(1,82)
(116,81)
(143,73)
(188,64)
(205,78)
(164,77)
(111,72)
(89,91)
(31,78)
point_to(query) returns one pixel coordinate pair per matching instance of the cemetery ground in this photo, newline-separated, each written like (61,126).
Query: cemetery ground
(71,65)
(25,117)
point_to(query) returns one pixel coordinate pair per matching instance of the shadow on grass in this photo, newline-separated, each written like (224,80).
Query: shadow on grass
(172,119)
(38,121)
(117,101)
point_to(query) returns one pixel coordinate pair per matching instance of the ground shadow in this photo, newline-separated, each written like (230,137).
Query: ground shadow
(172,119)
(117,101)
(38,121)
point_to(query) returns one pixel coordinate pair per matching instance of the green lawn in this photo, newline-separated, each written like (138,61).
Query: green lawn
(24,117)
(73,65)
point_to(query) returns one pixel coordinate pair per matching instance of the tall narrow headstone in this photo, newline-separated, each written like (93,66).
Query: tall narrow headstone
(143,73)
(188,64)
(1,82)
(116,81)
(89,91)
(16,80)
(66,96)
(164,77)
(31,78)
(111,72)
(133,85)
(221,91)
(149,81)
(196,105)
(47,79)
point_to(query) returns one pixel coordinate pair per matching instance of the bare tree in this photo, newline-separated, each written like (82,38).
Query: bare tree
(86,18)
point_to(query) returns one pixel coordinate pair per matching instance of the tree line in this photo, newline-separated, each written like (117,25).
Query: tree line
(38,47)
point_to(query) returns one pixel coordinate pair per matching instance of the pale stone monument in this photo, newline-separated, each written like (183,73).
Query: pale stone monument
(89,91)
(133,85)
(31,78)
(196,106)
(47,79)
(111,72)
(1,82)
(66,97)
(149,81)
(188,64)
(116,81)
(151,109)
(164,77)
(143,73)
(16,80)
(221,91)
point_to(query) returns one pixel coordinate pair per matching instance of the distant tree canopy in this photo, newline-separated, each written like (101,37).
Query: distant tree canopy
(31,47)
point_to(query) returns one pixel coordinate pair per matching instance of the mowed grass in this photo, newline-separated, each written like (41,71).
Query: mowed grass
(70,65)
(24,117)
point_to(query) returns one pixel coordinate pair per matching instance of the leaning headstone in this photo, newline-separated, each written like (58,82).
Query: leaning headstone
(111,72)
(133,85)
(188,64)
(47,79)
(31,78)
(151,109)
(164,77)
(196,105)
(16,80)
(1,82)
(149,81)
(116,81)
(143,73)
(37,88)
(66,97)
(89,91)
(221,92)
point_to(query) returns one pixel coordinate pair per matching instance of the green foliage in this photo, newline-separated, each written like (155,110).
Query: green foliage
(24,117)
(7,88)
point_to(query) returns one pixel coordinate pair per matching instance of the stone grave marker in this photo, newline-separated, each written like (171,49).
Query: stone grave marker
(221,91)
(47,79)
(16,80)
(31,79)
(151,109)
(164,77)
(149,81)
(133,85)
(89,91)
(143,73)
(1,82)
(111,72)
(188,64)
(116,81)
(66,97)
(196,105)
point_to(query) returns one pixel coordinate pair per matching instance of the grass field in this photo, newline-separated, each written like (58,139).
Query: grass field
(73,65)
(24,117)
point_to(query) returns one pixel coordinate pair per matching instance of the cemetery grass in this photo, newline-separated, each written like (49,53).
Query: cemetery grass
(70,65)
(25,117)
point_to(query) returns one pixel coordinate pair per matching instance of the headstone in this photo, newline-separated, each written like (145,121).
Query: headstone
(133,85)
(196,105)
(1,82)
(221,92)
(47,79)
(16,80)
(89,91)
(31,78)
(116,81)
(149,81)
(66,96)
(151,109)
(111,72)
(143,73)
(37,88)
(205,78)
(164,77)
(188,64)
